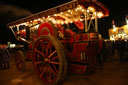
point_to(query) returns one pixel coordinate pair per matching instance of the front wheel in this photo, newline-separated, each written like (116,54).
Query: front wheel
(20,61)
(49,60)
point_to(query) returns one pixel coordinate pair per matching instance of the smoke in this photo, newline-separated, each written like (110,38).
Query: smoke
(9,13)
(14,10)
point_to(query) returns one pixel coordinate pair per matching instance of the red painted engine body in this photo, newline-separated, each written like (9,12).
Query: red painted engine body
(80,48)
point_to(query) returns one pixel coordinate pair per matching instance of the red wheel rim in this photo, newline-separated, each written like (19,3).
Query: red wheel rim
(46,29)
(46,60)
(19,61)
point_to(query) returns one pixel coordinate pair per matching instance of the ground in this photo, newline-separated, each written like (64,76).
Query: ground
(112,73)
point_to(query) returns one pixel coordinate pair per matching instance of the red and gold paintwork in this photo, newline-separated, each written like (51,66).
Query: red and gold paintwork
(75,50)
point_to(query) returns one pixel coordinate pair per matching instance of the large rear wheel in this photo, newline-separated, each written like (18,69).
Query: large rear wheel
(49,60)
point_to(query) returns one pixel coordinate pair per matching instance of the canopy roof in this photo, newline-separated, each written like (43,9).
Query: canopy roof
(66,13)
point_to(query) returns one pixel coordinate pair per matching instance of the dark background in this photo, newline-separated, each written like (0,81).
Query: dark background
(11,10)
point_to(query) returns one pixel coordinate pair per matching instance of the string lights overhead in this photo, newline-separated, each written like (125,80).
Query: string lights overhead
(68,16)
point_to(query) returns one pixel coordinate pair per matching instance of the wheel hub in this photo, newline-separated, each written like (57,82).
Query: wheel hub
(46,59)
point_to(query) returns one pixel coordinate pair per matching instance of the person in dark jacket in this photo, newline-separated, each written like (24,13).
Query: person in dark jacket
(120,45)
(99,54)
(6,56)
(1,59)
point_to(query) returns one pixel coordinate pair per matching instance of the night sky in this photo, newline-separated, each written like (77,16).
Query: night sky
(11,10)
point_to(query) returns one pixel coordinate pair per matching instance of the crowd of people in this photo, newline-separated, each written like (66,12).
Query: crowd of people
(4,57)
(109,48)
(122,46)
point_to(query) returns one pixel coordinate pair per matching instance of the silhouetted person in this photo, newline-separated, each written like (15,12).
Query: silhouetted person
(120,45)
(126,49)
(1,59)
(100,52)
(104,51)
(5,56)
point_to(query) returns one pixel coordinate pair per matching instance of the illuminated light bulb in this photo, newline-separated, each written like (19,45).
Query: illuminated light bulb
(67,15)
(93,18)
(39,19)
(43,17)
(80,7)
(55,15)
(61,13)
(25,24)
(24,30)
(81,19)
(82,10)
(114,28)
(49,19)
(54,21)
(91,9)
(71,21)
(69,10)
(95,14)
(100,14)
(62,22)
(66,22)
(127,22)
(76,10)
(88,11)
(10,26)
(35,20)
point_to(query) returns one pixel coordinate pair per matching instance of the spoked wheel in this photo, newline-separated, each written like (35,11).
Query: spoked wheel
(49,60)
(20,61)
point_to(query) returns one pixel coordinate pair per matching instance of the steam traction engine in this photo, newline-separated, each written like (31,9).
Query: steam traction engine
(60,39)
